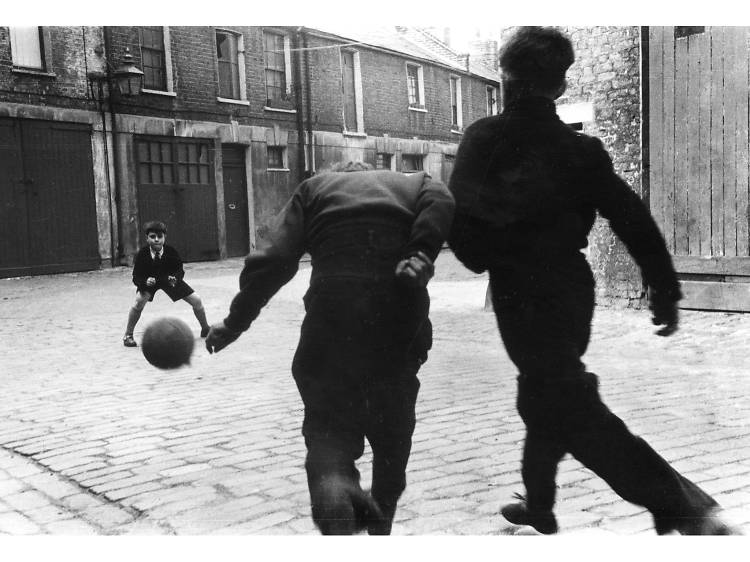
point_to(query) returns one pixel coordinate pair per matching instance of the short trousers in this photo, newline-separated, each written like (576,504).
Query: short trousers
(179,291)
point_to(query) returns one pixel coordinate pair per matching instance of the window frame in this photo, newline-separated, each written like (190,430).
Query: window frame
(457,118)
(418,158)
(238,65)
(491,110)
(167,62)
(44,62)
(282,153)
(419,105)
(178,167)
(285,102)
(358,91)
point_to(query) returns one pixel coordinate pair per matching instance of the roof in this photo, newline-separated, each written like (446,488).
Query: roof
(414,42)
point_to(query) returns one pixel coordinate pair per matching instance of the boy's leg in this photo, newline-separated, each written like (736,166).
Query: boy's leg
(339,505)
(134,314)
(200,313)
(391,426)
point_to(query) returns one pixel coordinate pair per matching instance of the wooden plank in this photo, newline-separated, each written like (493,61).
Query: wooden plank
(668,139)
(717,141)
(731,95)
(708,295)
(681,140)
(693,185)
(742,140)
(656,123)
(704,146)
(712,265)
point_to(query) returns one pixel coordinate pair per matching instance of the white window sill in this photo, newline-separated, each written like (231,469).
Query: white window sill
(235,102)
(354,134)
(33,72)
(278,170)
(279,109)
(159,92)
(457,131)
(419,109)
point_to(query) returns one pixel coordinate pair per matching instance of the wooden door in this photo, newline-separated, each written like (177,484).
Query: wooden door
(176,185)
(698,156)
(235,201)
(48,212)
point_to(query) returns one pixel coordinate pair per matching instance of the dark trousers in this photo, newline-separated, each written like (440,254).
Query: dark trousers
(356,366)
(544,318)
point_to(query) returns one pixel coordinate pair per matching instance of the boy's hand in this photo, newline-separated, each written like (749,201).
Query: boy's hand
(665,313)
(151,281)
(415,271)
(219,336)
(172,280)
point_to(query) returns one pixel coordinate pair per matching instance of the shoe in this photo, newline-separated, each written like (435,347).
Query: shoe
(710,523)
(204,331)
(519,514)
(128,341)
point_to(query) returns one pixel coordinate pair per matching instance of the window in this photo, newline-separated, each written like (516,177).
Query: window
(491,100)
(275,157)
(27,47)
(278,67)
(415,86)
(457,120)
(384,161)
(227,49)
(154,58)
(411,163)
(351,76)
(169,162)
(681,31)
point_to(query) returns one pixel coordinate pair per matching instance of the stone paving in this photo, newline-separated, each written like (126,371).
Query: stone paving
(94,441)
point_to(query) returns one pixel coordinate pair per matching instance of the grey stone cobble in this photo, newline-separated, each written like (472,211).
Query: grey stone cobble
(99,442)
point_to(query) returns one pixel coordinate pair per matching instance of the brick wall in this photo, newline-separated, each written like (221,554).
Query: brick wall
(70,53)
(607,74)
(385,94)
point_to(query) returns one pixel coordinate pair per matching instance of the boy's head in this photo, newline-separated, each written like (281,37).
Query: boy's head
(156,233)
(534,61)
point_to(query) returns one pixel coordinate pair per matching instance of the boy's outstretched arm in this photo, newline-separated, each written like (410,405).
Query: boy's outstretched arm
(266,270)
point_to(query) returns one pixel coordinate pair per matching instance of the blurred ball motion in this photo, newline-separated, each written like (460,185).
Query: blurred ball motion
(168,343)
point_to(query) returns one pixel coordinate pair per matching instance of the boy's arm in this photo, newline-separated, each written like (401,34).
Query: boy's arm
(176,266)
(470,236)
(140,270)
(632,222)
(271,265)
(433,219)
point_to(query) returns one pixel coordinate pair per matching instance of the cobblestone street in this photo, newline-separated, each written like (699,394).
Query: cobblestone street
(94,441)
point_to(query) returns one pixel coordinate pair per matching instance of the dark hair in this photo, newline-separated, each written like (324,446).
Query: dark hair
(155,226)
(539,56)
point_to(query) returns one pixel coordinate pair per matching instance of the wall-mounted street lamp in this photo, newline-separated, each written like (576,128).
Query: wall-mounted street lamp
(128,77)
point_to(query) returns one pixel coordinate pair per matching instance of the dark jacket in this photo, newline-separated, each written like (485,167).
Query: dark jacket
(145,267)
(358,224)
(527,189)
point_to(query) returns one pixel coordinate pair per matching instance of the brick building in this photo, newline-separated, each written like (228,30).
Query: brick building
(228,121)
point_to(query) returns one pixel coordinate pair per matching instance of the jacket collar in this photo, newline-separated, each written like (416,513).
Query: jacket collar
(536,106)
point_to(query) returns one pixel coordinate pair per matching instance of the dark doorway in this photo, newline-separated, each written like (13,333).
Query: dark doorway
(235,200)
(47,198)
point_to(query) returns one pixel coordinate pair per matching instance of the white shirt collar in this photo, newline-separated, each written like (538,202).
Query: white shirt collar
(153,254)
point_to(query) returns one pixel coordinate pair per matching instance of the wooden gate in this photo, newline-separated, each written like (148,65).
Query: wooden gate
(176,185)
(698,156)
(47,206)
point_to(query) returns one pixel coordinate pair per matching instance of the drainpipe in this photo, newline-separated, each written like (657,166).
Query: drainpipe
(117,246)
(301,171)
(308,102)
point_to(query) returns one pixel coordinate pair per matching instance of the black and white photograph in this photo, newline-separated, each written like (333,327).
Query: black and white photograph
(387,277)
